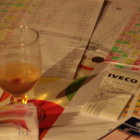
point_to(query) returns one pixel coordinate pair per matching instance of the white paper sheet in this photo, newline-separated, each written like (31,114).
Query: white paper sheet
(65,24)
(113,93)
(61,55)
(66,17)
(65,27)
(115,16)
(73,124)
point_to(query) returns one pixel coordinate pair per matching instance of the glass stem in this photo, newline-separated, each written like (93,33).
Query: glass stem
(21,99)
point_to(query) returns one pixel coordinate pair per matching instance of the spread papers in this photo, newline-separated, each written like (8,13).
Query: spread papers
(74,123)
(65,27)
(113,93)
(116,16)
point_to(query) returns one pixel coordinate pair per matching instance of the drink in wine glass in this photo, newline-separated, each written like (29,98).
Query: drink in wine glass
(20,65)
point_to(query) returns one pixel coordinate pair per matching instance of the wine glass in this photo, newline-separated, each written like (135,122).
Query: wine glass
(20,61)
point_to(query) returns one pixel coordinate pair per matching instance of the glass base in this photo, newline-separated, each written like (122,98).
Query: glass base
(19,100)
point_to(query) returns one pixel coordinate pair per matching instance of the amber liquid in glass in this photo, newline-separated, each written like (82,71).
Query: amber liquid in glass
(18,77)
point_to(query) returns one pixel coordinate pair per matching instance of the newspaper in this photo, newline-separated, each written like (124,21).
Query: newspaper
(65,28)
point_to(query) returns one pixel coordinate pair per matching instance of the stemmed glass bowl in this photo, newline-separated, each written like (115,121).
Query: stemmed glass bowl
(20,61)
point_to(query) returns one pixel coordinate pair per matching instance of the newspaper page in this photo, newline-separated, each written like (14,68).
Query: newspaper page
(113,93)
(65,27)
